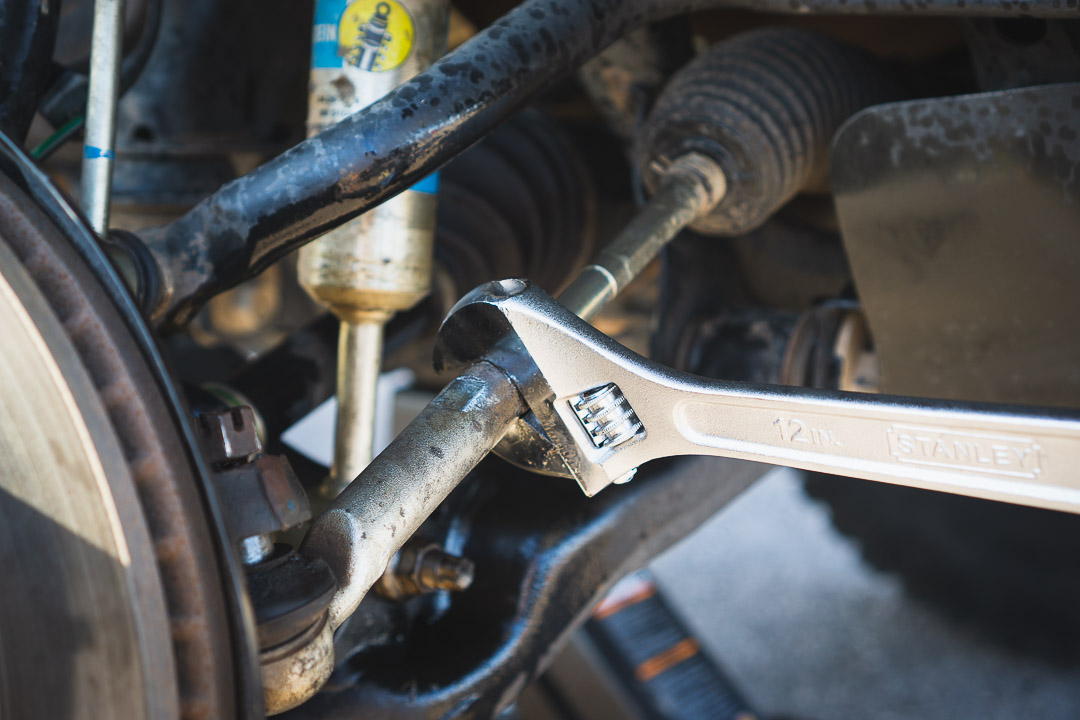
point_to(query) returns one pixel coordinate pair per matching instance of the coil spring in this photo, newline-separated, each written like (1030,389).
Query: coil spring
(607,416)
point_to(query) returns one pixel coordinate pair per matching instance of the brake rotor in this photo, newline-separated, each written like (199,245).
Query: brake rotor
(120,599)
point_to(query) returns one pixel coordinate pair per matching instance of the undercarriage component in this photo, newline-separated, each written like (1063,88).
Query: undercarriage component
(521,340)
(380,263)
(358,535)
(689,187)
(763,106)
(985,275)
(1008,161)
(64,104)
(520,203)
(261,497)
(424,567)
(545,556)
(99,146)
(373,517)
(260,493)
(209,636)
(296,652)
(352,536)
(517,204)
(379,152)
(481,570)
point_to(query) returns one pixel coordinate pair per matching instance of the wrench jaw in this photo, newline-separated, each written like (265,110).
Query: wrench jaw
(476,325)
(503,323)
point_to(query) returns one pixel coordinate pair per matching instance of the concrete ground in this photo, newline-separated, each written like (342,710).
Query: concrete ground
(807,630)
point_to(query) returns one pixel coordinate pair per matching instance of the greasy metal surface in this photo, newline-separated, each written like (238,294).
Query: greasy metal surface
(379,263)
(374,516)
(260,494)
(375,265)
(544,556)
(424,567)
(763,105)
(972,298)
(228,436)
(211,625)
(290,593)
(84,643)
(99,143)
(1018,455)
(689,187)
(295,671)
(360,351)
(378,152)
(261,497)
(27,34)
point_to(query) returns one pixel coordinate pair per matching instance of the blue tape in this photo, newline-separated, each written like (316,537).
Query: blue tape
(90,152)
(429,185)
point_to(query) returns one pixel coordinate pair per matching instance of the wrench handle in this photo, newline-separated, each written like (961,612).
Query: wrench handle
(982,451)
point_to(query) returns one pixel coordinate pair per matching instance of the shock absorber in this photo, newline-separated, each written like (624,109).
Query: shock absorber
(379,263)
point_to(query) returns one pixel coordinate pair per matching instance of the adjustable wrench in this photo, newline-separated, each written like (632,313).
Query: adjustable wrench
(551,393)
(600,411)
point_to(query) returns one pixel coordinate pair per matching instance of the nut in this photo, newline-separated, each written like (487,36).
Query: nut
(418,569)
(229,436)
(262,496)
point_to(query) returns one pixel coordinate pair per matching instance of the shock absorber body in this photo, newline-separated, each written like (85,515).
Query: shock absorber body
(379,263)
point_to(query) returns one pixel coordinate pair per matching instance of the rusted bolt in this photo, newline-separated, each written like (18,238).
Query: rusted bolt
(229,436)
(439,570)
(424,568)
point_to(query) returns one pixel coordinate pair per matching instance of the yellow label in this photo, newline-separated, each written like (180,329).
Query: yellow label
(375,35)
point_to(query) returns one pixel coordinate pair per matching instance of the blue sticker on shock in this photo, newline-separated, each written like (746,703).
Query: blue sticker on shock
(324,39)
(90,152)
(429,185)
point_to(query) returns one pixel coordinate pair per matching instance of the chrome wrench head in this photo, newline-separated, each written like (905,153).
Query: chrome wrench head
(582,424)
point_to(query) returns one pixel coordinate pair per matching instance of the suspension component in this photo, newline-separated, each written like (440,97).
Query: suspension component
(370,521)
(380,263)
(99,147)
(688,188)
(424,567)
(380,151)
(289,593)
(764,106)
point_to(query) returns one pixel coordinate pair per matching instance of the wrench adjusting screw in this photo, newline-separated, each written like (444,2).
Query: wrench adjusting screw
(606,415)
